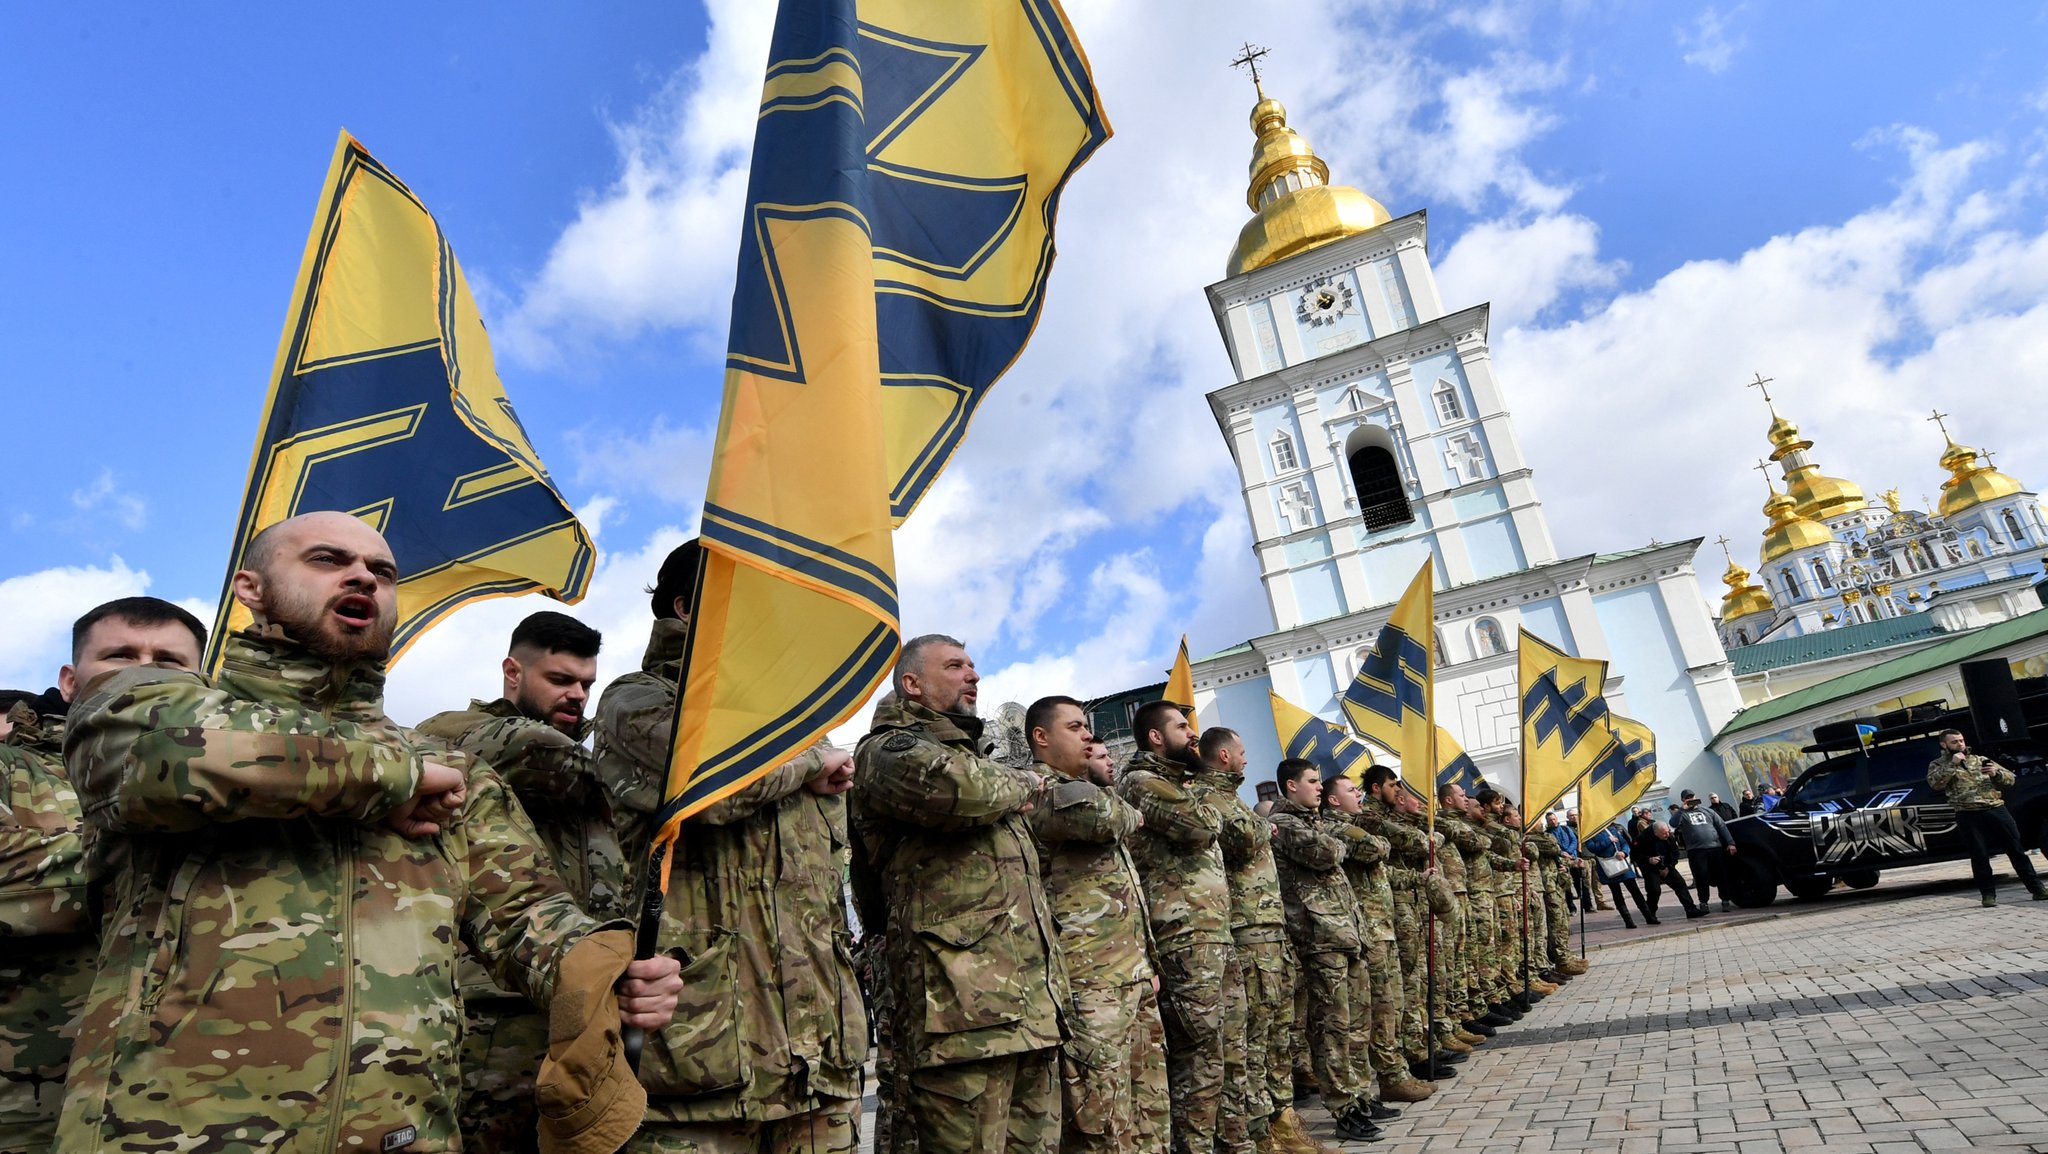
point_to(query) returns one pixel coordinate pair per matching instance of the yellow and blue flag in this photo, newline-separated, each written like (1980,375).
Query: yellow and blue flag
(385,403)
(908,160)
(1608,791)
(1180,684)
(1454,766)
(1566,726)
(1332,750)
(1391,701)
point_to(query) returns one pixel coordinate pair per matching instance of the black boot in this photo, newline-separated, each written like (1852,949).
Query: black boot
(1477,1027)
(1355,1127)
(1381,1112)
(1432,1073)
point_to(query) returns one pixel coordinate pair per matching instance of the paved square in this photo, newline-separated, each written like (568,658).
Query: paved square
(1881,1025)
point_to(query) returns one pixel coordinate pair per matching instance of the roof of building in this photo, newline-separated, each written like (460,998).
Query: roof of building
(1960,648)
(1838,642)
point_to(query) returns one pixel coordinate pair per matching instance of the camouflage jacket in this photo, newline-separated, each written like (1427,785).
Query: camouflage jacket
(47,946)
(1365,864)
(1476,845)
(1256,911)
(1503,848)
(771,1018)
(1092,883)
(555,779)
(1319,900)
(1177,853)
(1966,785)
(635,718)
(278,967)
(1450,857)
(970,937)
(1409,835)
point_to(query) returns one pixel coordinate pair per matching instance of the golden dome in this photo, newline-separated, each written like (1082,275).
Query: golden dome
(1790,530)
(1744,596)
(1298,208)
(1971,484)
(1818,495)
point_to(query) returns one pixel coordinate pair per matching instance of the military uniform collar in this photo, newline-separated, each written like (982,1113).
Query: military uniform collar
(1147,760)
(1044,770)
(263,664)
(1285,804)
(946,728)
(503,707)
(665,647)
(1210,776)
(35,732)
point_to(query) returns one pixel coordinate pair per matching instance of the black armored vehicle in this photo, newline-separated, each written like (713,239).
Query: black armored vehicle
(1864,805)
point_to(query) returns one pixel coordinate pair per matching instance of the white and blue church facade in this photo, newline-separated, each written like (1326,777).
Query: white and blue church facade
(1371,436)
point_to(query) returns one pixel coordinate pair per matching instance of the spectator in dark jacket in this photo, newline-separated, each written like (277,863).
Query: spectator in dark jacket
(1656,856)
(1707,844)
(1726,811)
(1748,805)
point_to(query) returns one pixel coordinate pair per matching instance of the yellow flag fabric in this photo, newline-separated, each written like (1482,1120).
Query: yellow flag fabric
(385,403)
(1565,725)
(1180,684)
(908,159)
(1454,766)
(1392,700)
(1304,735)
(1608,791)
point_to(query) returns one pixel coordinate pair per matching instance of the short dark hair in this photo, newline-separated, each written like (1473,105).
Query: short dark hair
(552,632)
(1444,788)
(1378,775)
(1487,795)
(678,578)
(1291,769)
(911,659)
(1041,711)
(1942,733)
(135,611)
(1148,718)
(1213,738)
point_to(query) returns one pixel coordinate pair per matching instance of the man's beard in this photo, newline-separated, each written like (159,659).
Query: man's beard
(312,624)
(535,711)
(1186,755)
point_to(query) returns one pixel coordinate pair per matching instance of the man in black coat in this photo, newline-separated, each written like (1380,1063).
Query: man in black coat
(1656,855)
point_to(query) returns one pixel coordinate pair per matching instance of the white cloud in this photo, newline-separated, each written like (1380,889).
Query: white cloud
(1710,43)
(35,632)
(105,497)
(1523,268)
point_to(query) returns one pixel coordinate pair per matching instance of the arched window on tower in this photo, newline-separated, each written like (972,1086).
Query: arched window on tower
(2013,531)
(1741,637)
(1821,580)
(1284,460)
(1376,478)
(1442,658)
(1791,579)
(1447,407)
(1487,638)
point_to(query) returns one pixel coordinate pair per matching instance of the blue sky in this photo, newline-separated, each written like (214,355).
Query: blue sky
(1659,200)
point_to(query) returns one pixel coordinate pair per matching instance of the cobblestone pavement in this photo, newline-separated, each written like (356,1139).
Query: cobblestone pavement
(1898,1020)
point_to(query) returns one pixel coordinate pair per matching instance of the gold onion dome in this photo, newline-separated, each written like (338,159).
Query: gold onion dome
(1970,483)
(1790,531)
(1744,596)
(1817,495)
(1298,208)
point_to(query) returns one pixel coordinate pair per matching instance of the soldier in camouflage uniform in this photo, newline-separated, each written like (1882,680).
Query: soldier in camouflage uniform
(1394,902)
(1188,895)
(533,736)
(1259,1072)
(971,942)
(1976,787)
(1111,1074)
(1429,911)
(294,874)
(1372,1014)
(48,944)
(770,1036)
(1322,920)
(1511,889)
(1454,962)
(1480,959)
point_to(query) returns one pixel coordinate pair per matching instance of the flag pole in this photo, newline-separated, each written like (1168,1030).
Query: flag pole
(1429,837)
(654,882)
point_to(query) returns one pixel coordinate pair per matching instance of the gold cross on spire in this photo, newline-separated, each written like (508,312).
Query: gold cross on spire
(1760,384)
(1250,62)
(1722,541)
(1939,418)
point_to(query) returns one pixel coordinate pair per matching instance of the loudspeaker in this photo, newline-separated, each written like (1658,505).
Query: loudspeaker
(1837,734)
(1994,702)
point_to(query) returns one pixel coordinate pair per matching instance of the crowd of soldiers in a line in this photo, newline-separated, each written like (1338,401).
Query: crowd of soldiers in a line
(252,913)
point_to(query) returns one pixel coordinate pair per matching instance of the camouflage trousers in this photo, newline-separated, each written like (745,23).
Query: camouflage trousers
(1557,918)
(1113,1073)
(1453,950)
(1009,1104)
(1411,949)
(1192,981)
(1233,1119)
(1374,1051)
(1514,937)
(832,1128)
(1262,1070)
(893,1135)
(503,1040)
(1322,999)
(1482,953)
